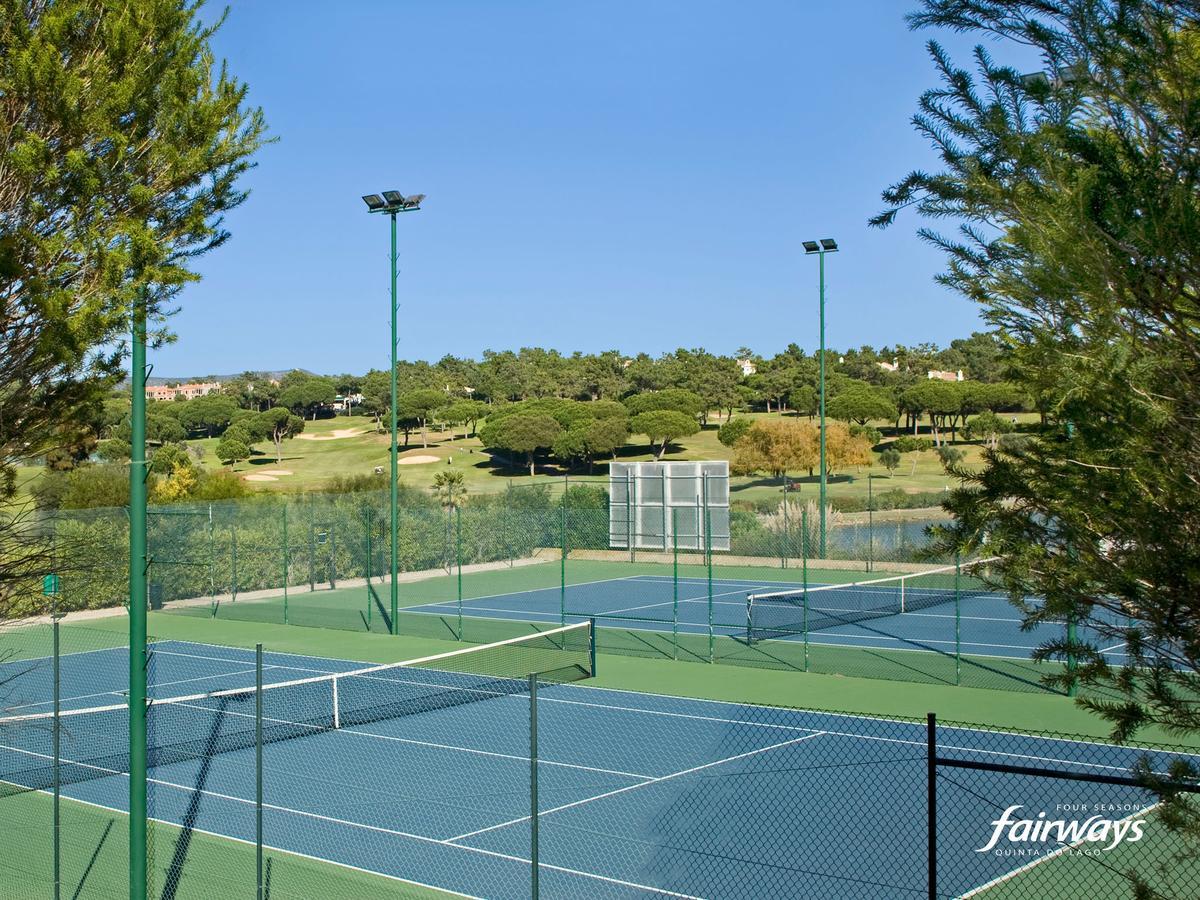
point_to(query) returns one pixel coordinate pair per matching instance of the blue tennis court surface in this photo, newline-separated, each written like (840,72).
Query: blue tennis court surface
(988,625)
(640,794)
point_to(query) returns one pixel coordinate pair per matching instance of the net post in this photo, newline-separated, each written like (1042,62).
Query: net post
(957,620)
(458,559)
(57,722)
(533,786)
(708,561)
(931,802)
(592,644)
(258,764)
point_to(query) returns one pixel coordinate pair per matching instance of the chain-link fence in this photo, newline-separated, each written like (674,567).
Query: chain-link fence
(278,775)
(493,566)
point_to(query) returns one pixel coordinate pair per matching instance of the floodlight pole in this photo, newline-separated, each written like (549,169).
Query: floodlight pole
(395,459)
(392,203)
(826,245)
(824,478)
(138,565)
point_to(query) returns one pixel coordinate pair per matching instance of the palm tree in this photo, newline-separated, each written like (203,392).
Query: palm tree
(450,486)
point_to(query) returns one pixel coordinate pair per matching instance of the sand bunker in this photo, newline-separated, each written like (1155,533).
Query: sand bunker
(275,472)
(417,460)
(259,478)
(337,434)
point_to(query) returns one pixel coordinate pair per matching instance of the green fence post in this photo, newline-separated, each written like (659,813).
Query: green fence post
(562,563)
(533,786)
(139,564)
(212,559)
(784,551)
(258,763)
(675,584)
(287,564)
(57,740)
(804,545)
(458,558)
(957,621)
(870,522)
(629,515)
(709,563)
(1072,688)
(805,595)
(367,568)
(233,576)
(505,523)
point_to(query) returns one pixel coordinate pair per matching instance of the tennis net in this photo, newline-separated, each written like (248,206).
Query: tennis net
(782,614)
(94,741)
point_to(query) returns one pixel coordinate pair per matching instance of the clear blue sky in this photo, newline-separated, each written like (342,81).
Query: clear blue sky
(630,174)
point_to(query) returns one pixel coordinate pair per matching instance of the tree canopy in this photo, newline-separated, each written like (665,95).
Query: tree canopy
(1076,197)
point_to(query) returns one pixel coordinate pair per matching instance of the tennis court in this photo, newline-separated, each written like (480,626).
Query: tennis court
(639,794)
(986,624)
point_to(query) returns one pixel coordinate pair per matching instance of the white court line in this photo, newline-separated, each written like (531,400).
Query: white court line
(631,787)
(125,693)
(229,837)
(916,742)
(378,829)
(1113,647)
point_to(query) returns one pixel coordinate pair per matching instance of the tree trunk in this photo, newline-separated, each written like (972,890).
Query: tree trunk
(278,450)
(424,436)
(531,452)
(662,448)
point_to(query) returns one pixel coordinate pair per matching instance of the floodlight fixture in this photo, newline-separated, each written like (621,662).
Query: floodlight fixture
(413,201)
(829,245)
(811,247)
(374,202)
(393,198)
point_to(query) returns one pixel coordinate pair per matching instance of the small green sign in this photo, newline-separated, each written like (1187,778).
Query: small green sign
(50,586)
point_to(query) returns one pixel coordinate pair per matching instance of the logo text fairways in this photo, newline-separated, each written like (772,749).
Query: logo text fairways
(1094,829)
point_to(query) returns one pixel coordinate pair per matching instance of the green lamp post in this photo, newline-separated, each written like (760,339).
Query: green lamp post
(393,202)
(826,245)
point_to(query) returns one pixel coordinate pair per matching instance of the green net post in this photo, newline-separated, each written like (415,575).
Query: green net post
(708,562)
(458,561)
(957,620)
(562,562)
(57,751)
(592,644)
(286,565)
(674,583)
(258,764)
(783,550)
(533,787)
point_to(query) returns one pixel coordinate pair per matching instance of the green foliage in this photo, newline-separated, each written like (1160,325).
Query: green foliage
(733,430)
(908,444)
(860,402)
(950,456)
(114,450)
(1078,201)
(663,426)
(521,433)
(872,435)
(671,399)
(890,458)
(231,449)
(987,426)
(83,488)
(306,396)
